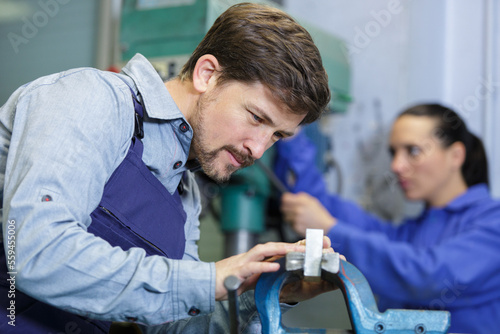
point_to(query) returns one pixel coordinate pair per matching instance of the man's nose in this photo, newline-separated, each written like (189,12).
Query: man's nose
(258,144)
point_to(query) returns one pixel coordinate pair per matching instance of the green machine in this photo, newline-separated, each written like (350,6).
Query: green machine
(166,32)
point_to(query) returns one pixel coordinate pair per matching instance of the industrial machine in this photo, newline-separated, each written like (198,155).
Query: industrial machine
(167,32)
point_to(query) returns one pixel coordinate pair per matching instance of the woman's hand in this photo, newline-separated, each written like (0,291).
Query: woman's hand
(303,211)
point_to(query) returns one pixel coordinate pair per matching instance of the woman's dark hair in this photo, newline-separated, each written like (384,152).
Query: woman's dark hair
(258,43)
(450,128)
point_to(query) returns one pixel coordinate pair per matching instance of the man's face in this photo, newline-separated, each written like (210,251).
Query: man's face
(235,124)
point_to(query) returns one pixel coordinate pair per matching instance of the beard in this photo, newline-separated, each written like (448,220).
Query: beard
(208,158)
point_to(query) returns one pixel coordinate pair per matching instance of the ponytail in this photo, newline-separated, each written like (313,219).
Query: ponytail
(475,167)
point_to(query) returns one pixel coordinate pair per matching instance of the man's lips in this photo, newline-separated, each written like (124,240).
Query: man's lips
(239,160)
(234,160)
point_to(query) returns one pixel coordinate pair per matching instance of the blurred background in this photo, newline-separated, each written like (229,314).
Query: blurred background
(381,56)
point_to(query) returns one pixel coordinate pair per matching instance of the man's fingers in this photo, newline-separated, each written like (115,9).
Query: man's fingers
(263,251)
(260,259)
(301,242)
(253,268)
(327,243)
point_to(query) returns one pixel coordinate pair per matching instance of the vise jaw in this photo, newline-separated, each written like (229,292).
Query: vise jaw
(313,260)
(364,315)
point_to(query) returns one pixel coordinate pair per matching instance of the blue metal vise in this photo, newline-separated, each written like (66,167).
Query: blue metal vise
(363,312)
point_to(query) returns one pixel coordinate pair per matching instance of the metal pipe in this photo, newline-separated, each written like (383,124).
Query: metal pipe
(490,8)
(239,241)
(272,177)
(232,284)
(488,73)
(107,50)
(104,37)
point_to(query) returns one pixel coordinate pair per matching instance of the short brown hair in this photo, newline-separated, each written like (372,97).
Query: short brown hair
(258,43)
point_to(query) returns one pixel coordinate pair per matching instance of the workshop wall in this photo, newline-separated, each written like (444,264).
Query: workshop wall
(39,37)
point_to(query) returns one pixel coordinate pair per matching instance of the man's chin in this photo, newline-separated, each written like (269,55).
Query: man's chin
(220,177)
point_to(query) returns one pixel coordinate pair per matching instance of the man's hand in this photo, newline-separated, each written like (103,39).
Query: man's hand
(304,211)
(260,259)
(248,266)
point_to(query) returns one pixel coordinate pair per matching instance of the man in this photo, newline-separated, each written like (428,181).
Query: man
(97,182)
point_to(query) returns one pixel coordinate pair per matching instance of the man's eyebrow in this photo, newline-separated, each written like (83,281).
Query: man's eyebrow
(287,134)
(262,114)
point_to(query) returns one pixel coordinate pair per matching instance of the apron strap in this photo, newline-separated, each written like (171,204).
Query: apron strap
(139,114)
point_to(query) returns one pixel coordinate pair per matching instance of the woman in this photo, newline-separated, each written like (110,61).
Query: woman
(444,259)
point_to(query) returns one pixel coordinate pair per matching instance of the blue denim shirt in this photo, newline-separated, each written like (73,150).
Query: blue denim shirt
(62,136)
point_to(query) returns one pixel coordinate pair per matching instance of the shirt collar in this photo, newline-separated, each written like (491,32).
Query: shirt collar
(158,102)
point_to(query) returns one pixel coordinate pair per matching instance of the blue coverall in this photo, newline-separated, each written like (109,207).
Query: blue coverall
(443,259)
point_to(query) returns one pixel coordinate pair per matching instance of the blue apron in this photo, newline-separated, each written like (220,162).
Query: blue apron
(136,210)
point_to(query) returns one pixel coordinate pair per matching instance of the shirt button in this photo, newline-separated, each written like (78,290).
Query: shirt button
(46,198)
(193,311)
(177,164)
(184,127)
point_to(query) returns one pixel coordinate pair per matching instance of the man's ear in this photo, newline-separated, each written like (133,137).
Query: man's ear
(205,72)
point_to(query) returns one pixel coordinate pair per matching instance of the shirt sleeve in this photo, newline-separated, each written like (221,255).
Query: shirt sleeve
(459,271)
(351,214)
(218,321)
(295,166)
(215,322)
(69,133)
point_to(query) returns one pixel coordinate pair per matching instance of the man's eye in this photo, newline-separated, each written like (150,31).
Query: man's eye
(278,135)
(257,118)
